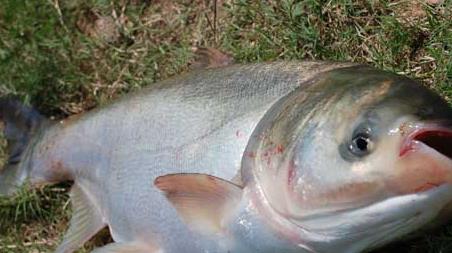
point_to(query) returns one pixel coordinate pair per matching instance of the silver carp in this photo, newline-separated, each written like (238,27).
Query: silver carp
(269,157)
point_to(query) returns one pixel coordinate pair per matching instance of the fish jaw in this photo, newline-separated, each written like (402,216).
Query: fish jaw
(425,159)
(378,224)
(256,226)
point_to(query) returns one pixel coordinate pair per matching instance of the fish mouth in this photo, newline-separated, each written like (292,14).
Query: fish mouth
(436,137)
(425,159)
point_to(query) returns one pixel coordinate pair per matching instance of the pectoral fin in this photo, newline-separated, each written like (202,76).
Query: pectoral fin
(203,201)
(86,221)
(132,247)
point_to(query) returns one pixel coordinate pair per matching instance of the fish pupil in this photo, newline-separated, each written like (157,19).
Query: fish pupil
(361,143)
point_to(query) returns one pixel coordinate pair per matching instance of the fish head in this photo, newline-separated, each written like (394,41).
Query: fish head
(359,156)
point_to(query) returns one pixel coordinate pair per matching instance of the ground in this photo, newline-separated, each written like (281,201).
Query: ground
(66,57)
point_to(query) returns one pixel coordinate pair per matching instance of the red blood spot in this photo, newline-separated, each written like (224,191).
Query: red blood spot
(279,149)
(239,134)
(250,154)
(426,187)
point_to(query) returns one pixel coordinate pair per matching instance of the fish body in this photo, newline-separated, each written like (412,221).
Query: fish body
(211,161)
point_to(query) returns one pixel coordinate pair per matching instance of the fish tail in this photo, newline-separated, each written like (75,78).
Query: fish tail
(20,124)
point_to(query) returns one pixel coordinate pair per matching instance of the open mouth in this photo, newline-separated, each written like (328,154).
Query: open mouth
(427,159)
(438,138)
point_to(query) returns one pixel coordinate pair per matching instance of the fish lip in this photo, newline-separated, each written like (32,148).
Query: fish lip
(436,137)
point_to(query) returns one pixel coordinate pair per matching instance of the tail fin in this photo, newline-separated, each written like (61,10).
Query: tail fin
(20,124)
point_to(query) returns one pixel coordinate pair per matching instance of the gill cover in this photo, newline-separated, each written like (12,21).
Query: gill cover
(20,123)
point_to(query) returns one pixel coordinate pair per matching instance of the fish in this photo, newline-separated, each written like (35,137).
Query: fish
(290,156)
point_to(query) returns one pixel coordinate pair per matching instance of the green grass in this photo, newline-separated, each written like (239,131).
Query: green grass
(54,55)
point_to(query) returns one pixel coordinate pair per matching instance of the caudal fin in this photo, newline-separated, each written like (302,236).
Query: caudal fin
(21,123)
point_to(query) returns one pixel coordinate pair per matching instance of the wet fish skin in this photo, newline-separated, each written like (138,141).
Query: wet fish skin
(200,123)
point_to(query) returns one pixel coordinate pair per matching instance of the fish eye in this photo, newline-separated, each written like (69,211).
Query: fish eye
(361,144)
(361,141)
